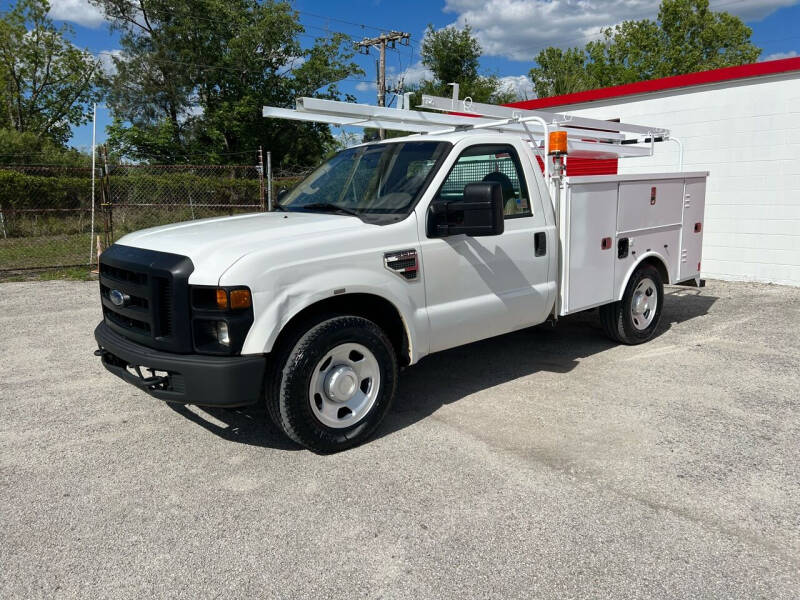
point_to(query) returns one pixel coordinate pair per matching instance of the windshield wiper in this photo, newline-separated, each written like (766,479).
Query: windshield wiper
(325,206)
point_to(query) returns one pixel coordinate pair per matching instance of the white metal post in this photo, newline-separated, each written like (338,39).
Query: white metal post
(94,140)
(455,95)
(269,181)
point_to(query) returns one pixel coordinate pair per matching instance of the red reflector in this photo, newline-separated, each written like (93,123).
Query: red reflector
(698,267)
(652,196)
(698,227)
(605,243)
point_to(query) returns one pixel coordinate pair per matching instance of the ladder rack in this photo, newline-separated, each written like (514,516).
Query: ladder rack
(589,138)
(596,126)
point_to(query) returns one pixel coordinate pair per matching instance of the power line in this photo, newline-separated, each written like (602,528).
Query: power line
(208,67)
(137,6)
(196,17)
(362,25)
(533,49)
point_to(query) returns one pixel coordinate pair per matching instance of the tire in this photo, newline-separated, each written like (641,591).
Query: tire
(634,319)
(333,384)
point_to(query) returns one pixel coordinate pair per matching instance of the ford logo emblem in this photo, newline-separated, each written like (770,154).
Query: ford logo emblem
(117,298)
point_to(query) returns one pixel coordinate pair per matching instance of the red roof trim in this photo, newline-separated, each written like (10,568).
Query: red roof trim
(771,67)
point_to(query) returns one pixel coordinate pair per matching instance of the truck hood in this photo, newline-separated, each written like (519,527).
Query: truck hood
(215,244)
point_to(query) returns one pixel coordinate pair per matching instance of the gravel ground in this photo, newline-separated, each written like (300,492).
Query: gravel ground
(545,463)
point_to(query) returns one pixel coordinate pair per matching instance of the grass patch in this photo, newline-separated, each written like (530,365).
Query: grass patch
(64,274)
(51,241)
(46,251)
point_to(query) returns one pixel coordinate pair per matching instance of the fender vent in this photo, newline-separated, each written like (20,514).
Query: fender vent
(402,262)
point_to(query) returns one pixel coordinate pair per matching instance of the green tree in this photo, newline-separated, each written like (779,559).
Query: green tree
(560,72)
(687,37)
(629,52)
(453,56)
(194,74)
(25,148)
(47,84)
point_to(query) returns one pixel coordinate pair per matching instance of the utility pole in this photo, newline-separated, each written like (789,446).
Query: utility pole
(381,42)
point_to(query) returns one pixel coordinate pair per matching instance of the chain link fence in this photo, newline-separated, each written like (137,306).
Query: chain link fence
(287,179)
(140,196)
(45,216)
(47,221)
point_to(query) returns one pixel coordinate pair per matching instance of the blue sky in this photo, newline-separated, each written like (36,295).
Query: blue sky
(511,31)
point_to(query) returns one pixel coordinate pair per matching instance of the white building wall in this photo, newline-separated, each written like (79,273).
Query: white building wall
(746,133)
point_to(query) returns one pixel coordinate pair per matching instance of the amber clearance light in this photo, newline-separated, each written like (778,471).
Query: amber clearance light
(558,142)
(222,299)
(241,299)
(235,299)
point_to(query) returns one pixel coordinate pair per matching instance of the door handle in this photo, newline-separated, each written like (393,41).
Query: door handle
(539,243)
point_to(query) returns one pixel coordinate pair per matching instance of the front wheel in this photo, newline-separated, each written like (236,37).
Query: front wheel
(634,319)
(335,384)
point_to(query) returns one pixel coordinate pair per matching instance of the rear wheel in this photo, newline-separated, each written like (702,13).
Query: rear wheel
(634,319)
(333,386)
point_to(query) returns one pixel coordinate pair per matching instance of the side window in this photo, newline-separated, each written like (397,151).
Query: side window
(498,163)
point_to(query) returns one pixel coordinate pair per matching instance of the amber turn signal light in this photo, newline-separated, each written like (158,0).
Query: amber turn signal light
(558,142)
(241,299)
(222,299)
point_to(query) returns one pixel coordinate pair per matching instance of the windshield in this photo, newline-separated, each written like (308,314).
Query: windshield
(379,179)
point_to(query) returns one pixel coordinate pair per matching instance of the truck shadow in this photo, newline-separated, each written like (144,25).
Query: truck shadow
(448,376)
(249,425)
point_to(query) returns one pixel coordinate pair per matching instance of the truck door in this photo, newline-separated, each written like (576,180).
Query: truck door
(478,287)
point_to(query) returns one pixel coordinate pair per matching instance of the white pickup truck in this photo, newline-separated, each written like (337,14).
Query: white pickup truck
(386,253)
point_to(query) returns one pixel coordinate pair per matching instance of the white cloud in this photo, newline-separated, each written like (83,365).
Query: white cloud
(106,58)
(779,55)
(414,74)
(409,76)
(750,10)
(292,62)
(519,84)
(77,11)
(519,29)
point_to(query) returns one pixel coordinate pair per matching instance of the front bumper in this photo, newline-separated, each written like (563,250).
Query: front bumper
(190,378)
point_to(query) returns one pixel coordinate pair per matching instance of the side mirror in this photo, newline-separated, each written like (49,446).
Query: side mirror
(282,192)
(479,213)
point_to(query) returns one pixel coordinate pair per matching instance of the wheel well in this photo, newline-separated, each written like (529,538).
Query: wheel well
(378,310)
(659,266)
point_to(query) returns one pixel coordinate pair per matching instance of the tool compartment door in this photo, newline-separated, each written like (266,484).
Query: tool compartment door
(692,239)
(649,203)
(592,214)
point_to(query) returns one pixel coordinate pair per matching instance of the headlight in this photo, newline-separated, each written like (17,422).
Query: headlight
(221,318)
(211,298)
(222,333)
